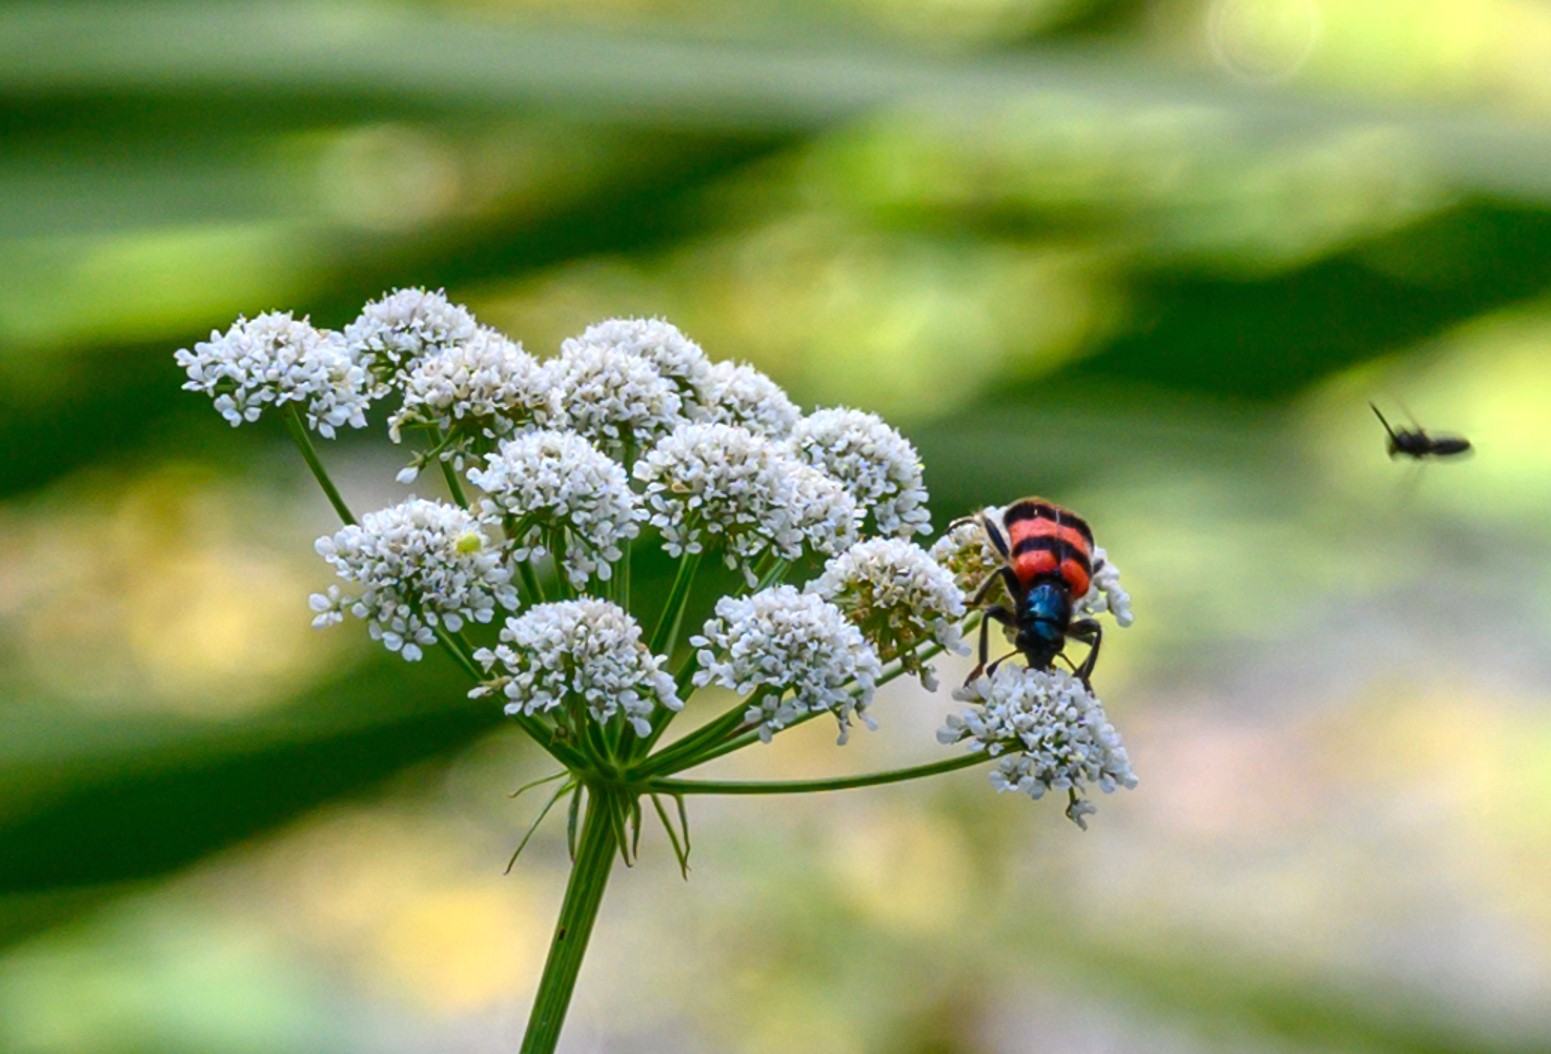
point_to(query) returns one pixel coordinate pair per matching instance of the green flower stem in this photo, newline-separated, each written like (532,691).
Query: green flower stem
(684,752)
(298,430)
(624,575)
(454,485)
(682,687)
(540,733)
(772,575)
(595,849)
(892,671)
(871,779)
(530,582)
(557,549)
(666,636)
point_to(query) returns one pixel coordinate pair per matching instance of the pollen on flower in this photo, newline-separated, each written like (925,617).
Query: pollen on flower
(878,466)
(547,486)
(709,484)
(742,395)
(474,392)
(900,598)
(275,359)
(1047,731)
(794,653)
(574,657)
(395,331)
(417,571)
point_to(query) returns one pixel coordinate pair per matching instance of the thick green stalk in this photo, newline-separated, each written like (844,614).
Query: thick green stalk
(870,779)
(298,430)
(595,851)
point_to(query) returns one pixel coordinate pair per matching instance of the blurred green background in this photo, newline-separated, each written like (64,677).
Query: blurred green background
(1151,258)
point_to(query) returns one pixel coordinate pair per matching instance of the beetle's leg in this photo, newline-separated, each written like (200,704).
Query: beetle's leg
(992,668)
(1090,633)
(999,614)
(1009,579)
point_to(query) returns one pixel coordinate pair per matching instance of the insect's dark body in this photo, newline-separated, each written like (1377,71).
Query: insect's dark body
(1418,444)
(1049,565)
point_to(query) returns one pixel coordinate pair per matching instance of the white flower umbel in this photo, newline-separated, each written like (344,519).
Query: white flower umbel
(968,554)
(819,509)
(395,331)
(1047,732)
(659,342)
(544,483)
(797,651)
(612,395)
(474,392)
(715,483)
(272,360)
(742,395)
(575,656)
(420,564)
(1106,593)
(878,465)
(899,597)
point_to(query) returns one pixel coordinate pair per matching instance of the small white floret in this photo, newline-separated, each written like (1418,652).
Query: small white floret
(397,330)
(900,598)
(578,658)
(794,654)
(275,360)
(546,485)
(1047,732)
(878,466)
(417,571)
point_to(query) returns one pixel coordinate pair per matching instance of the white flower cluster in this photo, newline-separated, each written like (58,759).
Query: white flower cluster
(968,554)
(1106,594)
(673,355)
(393,333)
(797,651)
(742,395)
(485,387)
(710,482)
(546,481)
(612,395)
(1048,732)
(899,597)
(421,564)
(878,465)
(578,654)
(275,359)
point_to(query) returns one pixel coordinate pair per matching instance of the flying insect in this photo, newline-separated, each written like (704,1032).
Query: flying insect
(1418,444)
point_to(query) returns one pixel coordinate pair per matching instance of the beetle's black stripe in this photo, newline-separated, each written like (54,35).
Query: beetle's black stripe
(1037,509)
(1049,543)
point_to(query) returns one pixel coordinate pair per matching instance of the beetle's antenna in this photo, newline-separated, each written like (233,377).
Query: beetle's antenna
(1383,422)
